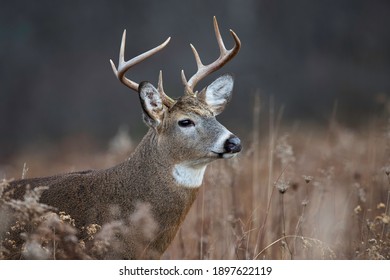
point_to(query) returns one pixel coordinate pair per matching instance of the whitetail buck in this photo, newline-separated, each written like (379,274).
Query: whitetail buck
(166,169)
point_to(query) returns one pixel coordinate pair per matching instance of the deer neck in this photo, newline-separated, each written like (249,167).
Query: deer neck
(182,174)
(165,186)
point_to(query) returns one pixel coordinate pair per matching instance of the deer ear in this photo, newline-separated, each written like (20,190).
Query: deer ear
(218,93)
(152,104)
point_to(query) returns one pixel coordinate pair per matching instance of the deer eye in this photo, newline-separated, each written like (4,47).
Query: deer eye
(186,123)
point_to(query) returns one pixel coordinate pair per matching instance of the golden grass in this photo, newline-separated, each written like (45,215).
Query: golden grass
(294,193)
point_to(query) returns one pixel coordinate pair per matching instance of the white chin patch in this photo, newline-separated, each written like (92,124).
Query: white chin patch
(229,155)
(188,175)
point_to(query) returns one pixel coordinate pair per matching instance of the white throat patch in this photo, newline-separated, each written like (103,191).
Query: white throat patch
(188,175)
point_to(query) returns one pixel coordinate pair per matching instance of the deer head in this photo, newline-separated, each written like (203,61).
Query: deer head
(186,128)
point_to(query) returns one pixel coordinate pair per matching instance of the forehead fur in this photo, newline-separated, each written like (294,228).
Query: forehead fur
(189,104)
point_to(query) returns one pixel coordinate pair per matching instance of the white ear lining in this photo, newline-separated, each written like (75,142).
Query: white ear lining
(152,104)
(219,93)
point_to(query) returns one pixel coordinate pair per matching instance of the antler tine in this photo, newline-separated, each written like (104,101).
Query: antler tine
(205,70)
(187,89)
(197,58)
(166,99)
(221,45)
(124,66)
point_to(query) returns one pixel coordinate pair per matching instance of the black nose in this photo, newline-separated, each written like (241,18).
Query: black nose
(232,145)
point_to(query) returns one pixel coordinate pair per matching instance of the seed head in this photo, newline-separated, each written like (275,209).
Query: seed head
(307,178)
(282,186)
(358,209)
(381,205)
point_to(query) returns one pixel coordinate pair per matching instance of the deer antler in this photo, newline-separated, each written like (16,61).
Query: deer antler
(123,66)
(205,70)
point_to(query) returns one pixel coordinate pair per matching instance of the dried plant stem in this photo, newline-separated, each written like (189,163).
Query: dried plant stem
(260,234)
(24,171)
(271,147)
(299,224)
(255,219)
(202,226)
(273,131)
(283,223)
(256,156)
(54,244)
(386,211)
(285,238)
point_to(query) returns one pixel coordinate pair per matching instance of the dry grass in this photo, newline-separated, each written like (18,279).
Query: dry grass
(37,231)
(294,193)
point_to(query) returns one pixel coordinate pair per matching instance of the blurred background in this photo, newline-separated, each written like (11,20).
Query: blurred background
(57,86)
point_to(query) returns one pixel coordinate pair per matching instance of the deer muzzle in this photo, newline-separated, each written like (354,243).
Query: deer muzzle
(232,145)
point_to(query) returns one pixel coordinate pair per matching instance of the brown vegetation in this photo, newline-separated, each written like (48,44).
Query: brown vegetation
(295,193)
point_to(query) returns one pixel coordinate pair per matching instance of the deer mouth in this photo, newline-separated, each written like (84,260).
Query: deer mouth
(231,148)
(225,155)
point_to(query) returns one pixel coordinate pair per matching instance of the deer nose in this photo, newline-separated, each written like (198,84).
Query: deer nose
(232,145)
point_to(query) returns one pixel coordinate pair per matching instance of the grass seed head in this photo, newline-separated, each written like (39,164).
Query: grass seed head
(307,179)
(282,186)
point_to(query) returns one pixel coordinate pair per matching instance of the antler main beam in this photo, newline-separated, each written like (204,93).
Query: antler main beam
(124,66)
(205,70)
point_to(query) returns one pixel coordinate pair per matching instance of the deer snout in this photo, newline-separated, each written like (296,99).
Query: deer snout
(232,145)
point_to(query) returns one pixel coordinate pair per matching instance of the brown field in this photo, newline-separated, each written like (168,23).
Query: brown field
(295,192)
